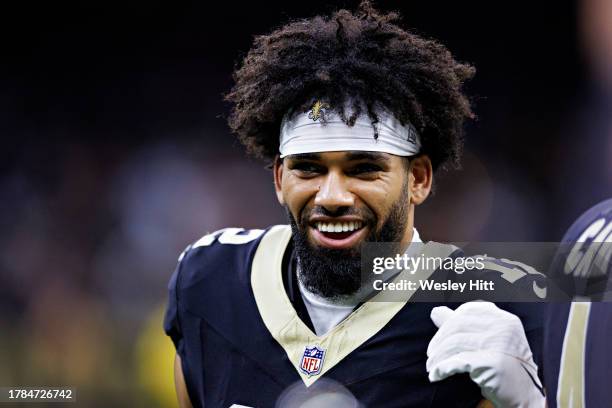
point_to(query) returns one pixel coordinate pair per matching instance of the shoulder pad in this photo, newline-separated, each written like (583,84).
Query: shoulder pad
(228,250)
(583,263)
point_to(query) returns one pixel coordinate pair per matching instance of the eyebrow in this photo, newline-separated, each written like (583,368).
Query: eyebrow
(352,156)
(373,156)
(306,156)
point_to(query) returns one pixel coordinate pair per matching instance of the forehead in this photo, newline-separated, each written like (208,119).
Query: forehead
(346,156)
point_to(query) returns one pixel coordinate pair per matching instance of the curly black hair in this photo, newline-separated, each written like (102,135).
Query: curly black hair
(362,55)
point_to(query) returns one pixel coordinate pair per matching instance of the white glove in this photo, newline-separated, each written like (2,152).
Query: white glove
(490,345)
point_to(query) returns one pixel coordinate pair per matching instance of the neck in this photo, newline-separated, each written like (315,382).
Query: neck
(409,231)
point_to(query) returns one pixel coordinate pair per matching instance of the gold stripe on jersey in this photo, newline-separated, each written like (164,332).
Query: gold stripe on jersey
(570,389)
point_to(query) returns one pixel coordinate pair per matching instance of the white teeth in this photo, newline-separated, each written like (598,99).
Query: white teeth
(339,226)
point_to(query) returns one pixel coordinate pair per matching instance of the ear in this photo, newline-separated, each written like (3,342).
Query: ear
(278,178)
(421,177)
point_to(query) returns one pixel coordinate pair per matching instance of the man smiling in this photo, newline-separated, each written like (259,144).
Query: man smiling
(336,201)
(355,114)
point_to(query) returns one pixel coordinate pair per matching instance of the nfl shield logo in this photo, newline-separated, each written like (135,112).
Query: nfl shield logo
(312,360)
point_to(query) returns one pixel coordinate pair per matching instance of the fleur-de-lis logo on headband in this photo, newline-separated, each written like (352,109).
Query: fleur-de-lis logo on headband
(318,110)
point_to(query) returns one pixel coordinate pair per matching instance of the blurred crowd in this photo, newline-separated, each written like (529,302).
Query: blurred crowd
(87,252)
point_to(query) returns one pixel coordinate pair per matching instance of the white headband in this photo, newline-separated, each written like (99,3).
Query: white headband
(322,130)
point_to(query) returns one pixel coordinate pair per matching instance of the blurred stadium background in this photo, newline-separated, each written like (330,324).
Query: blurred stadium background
(115,155)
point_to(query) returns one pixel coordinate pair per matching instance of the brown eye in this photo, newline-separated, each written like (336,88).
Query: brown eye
(364,169)
(305,169)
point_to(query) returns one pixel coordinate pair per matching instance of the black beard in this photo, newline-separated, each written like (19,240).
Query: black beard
(336,273)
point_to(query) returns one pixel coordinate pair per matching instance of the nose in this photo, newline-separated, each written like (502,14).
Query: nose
(333,194)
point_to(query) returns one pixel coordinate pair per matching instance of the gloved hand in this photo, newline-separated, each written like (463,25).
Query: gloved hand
(490,345)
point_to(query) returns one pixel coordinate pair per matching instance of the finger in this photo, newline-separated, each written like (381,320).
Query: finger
(454,365)
(450,345)
(440,314)
(477,306)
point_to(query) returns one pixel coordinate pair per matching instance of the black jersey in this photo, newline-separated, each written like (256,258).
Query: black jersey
(244,337)
(578,361)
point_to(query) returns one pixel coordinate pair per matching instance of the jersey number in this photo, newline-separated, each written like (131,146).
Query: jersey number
(232,236)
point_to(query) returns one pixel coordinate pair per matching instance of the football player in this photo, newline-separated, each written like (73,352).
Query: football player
(577,361)
(355,114)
